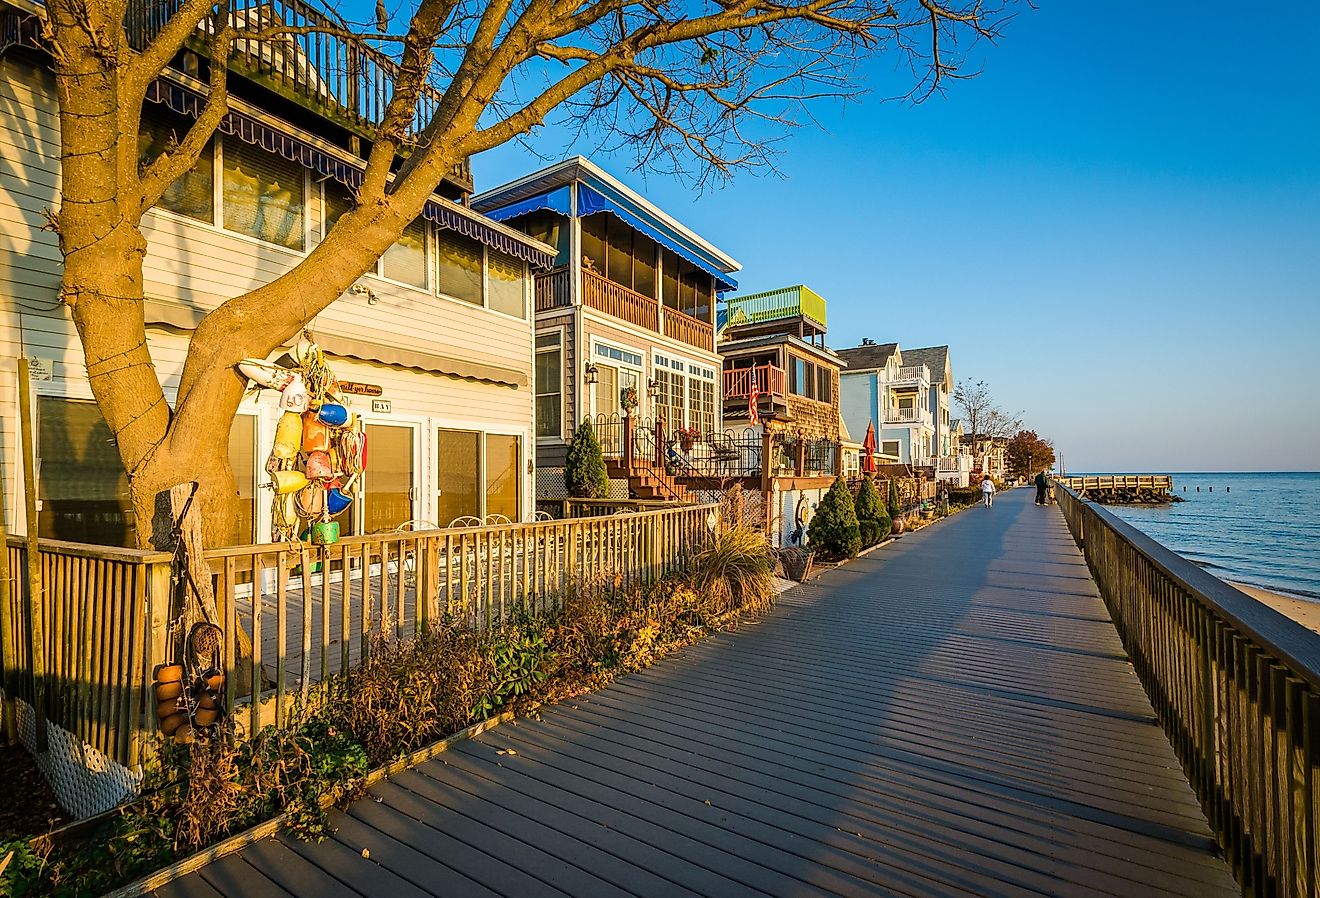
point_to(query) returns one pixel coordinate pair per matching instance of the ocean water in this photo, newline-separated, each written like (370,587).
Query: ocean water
(1258,529)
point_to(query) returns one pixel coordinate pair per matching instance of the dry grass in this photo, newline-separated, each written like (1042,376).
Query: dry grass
(734,572)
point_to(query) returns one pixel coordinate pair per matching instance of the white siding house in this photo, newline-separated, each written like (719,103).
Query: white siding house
(449,417)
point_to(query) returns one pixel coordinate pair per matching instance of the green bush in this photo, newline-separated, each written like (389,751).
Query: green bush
(834,531)
(584,473)
(871,511)
(895,503)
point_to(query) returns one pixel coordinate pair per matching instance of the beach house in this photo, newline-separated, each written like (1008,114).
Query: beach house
(881,388)
(435,344)
(625,326)
(781,400)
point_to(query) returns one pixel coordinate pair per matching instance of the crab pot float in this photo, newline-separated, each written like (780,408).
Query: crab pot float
(319,450)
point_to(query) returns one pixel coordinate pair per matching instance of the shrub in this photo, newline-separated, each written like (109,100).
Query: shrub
(584,472)
(734,571)
(872,516)
(834,531)
(895,503)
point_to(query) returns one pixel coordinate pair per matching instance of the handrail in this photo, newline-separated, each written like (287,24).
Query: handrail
(1236,686)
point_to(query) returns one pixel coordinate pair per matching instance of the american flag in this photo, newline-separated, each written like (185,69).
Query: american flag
(754,395)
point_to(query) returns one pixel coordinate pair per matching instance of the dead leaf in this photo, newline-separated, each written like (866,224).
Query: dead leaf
(366,853)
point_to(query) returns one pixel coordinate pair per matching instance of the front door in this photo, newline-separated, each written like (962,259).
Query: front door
(388,479)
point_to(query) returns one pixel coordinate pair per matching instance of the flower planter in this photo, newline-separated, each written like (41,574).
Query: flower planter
(797,563)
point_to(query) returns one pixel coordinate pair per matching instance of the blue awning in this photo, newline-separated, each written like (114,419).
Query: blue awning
(591,200)
(558,200)
(253,131)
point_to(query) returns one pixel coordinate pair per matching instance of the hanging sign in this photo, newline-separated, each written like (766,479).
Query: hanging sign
(41,369)
(358,389)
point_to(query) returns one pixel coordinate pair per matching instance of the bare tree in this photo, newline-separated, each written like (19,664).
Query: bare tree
(986,421)
(703,84)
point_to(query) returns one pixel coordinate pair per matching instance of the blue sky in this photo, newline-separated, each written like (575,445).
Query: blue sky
(1117,225)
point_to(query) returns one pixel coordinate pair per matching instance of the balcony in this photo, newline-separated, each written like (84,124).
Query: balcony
(908,416)
(775,305)
(769,380)
(911,376)
(554,289)
(327,70)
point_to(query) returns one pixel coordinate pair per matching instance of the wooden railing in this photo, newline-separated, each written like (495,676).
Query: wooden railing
(689,330)
(101,612)
(908,416)
(1158,482)
(554,289)
(308,611)
(603,295)
(769,380)
(913,373)
(1236,686)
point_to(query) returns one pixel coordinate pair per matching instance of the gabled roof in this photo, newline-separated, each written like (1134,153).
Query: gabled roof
(936,358)
(868,355)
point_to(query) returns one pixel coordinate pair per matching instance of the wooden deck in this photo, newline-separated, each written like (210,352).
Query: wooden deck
(952,715)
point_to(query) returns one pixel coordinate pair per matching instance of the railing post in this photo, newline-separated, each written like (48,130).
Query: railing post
(627,442)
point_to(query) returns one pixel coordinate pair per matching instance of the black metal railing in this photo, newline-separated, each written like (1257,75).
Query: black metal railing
(1236,686)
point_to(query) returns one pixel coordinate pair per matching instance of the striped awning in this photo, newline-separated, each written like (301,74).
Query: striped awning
(250,129)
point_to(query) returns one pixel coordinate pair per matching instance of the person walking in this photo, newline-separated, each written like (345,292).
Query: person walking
(988,491)
(1042,488)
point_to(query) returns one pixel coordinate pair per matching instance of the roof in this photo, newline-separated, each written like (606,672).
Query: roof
(731,348)
(936,358)
(868,355)
(581,169)
(782,303)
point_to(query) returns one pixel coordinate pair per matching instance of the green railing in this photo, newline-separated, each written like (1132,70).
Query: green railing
(1236,687)
(773,305)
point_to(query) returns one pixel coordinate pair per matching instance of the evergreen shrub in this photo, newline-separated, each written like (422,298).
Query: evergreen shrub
(871,514)
(834,531)
(584,473)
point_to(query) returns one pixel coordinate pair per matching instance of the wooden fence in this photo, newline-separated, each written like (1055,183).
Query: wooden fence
(308,611)
(1236,686)
(1156,482)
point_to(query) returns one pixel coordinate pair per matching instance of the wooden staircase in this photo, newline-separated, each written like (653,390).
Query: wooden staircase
(648,480)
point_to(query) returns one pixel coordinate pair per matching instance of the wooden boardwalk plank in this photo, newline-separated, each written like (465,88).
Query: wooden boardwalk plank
(952,715)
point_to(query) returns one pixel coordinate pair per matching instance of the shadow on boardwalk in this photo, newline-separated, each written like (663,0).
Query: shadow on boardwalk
(952,715)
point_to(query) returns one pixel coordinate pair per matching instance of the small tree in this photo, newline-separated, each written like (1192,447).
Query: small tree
(871,513)
(834,530)
(584,473)
(895,503)
(1026,453)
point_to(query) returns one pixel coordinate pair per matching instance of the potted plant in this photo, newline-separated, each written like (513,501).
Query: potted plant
(687,437)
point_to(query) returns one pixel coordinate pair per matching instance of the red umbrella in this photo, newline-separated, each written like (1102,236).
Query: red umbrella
(868,449)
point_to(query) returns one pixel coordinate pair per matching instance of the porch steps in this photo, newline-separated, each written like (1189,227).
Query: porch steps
(648,480)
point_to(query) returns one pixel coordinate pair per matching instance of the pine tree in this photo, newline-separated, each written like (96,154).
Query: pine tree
(834,530)
(584,473)
(871,513)
(895,505)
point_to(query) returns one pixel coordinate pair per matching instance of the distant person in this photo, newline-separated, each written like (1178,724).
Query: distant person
(1042,488)
(988,491)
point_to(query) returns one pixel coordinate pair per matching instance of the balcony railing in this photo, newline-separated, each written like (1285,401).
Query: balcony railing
(777,304)
(603,295)
(327,69)
(554,289)
(912,374)
(768,379)
(907,416)
(689,330)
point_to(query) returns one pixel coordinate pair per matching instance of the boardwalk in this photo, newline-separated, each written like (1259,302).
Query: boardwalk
(952,715)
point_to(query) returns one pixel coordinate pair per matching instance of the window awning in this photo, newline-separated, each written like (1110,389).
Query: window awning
(305,152)
(591,200)
(557,200)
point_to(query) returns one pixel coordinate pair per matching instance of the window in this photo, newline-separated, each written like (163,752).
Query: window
(644,273)
(405,261)
(824,384)
(82,485)
(460,267)
(548,227)
(889,447)
(702,413)
(593,242)
(503,461)
(549,386)
(621,355)
(801,382)
(335,201)
(504,278)
(262,195)
(618,252)
(193,193)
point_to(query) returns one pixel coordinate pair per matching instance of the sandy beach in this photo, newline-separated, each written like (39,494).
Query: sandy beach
(1306,613)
